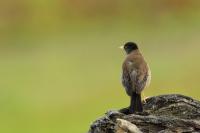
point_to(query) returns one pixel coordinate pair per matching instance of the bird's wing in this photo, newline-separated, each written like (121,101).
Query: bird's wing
(126,80)
(139,80)
(138,75)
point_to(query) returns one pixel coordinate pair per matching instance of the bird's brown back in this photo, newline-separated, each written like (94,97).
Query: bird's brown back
(136,70)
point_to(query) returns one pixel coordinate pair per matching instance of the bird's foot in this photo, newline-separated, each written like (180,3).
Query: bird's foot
(144,99)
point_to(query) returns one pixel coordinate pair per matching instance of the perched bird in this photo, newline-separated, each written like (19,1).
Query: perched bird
(136,75)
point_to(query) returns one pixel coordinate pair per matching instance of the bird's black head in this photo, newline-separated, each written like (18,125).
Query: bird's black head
(130,46)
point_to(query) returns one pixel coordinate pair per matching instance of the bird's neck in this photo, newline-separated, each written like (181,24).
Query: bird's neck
(136,51)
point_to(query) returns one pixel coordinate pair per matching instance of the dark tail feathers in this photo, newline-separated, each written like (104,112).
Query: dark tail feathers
(136,103)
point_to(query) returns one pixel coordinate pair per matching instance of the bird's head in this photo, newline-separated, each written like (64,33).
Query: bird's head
(129,47)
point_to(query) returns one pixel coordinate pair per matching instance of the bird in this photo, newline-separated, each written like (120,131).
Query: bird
(136,75)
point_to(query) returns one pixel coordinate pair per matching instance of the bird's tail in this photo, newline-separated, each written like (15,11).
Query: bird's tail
(136,103)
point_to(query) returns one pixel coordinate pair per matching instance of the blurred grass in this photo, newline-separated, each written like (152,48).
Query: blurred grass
(59,72)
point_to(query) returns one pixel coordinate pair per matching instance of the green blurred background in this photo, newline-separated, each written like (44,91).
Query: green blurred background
(60,65)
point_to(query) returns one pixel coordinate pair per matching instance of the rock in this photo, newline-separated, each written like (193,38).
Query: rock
(162,114)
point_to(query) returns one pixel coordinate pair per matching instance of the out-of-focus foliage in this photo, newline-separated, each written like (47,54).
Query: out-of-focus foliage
(60,63)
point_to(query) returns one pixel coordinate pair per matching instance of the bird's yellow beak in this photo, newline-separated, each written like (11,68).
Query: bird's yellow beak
(121,47)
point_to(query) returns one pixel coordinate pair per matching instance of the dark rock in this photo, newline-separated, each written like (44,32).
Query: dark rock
(162,114)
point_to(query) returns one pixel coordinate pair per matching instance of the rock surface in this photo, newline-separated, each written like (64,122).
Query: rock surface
(162,114)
